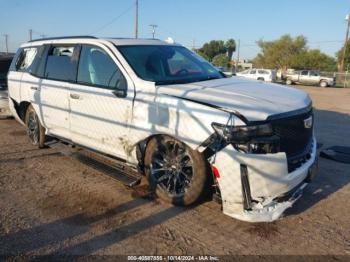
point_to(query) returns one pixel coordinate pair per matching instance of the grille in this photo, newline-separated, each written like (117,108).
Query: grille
(295,139)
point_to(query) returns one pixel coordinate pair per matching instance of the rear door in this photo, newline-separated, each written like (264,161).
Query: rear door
(60,73)
(101,103)
(314,78)
(20,64)
(304,77)
(252,74)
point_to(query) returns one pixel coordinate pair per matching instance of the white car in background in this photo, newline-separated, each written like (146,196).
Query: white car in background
(267,75)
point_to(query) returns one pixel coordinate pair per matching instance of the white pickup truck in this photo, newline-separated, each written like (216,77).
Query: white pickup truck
(309,77)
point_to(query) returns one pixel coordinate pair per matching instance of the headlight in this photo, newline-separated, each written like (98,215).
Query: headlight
(241,134)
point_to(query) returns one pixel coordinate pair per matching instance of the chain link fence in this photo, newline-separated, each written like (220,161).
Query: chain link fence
(342,79)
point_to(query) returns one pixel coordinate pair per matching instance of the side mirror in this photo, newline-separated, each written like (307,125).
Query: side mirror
(121,93)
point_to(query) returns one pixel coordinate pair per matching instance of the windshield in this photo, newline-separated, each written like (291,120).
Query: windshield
(165,65)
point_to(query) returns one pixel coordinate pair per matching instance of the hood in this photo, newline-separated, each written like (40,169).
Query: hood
(252,99)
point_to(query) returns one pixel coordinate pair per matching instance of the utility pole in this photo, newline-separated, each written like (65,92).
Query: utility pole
(6,42)
(30,34)
(238,47)
(347,18)
(136,19)
(153,30)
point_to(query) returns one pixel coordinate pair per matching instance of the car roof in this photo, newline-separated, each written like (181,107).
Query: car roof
(84,39)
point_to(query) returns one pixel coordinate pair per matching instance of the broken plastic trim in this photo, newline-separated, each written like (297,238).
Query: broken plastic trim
(247,197)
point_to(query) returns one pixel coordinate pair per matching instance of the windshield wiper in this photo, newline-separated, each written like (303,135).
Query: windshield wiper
(167,82)
(208,78)
(185,81)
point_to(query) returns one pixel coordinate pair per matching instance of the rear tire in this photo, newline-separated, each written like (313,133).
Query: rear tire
(289,82)
(176,173)
(261,79)
(323,84)
(35,131)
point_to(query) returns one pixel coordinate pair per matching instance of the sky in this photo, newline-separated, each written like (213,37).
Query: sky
(189,22)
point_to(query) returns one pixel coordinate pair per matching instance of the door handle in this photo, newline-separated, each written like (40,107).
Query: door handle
(74,96)
(34,88)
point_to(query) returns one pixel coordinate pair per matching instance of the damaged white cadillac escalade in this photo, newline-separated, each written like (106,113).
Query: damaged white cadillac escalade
(164,109)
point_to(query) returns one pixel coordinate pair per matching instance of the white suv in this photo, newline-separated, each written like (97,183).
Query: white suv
(163,108)
(267,75)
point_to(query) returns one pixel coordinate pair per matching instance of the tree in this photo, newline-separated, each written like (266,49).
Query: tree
(230,47)
(221,60)
(281,53)
(287,52)
(202,54)
(315,59)
(212,49)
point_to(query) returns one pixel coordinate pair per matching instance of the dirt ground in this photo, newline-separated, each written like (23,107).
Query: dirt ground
(52,204)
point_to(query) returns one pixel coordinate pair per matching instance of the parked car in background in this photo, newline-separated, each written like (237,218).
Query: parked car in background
(309,77)
(5,62)
(162,108)
(267,75)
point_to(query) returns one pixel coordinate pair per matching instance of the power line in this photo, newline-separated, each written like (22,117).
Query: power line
(136,19)
(113,20)
(34,32)
(6,42)
(345,43)
(153,29)
(238,49)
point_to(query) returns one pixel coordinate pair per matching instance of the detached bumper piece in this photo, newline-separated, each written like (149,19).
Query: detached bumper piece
(247,197)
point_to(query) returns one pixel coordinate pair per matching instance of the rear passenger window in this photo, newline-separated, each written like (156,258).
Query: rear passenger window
(61,64)
(263,72)
(26,58)
(97,68)
(252,72)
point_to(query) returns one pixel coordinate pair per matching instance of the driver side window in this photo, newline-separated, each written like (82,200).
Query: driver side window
(97,68)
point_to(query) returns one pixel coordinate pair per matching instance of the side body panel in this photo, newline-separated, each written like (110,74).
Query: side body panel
(54,107)
(99,119)
(14,85)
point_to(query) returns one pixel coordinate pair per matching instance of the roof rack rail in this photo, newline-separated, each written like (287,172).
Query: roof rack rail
(62,37)
(129,38)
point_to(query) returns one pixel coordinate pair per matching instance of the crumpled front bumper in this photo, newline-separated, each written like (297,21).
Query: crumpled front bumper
(271,188)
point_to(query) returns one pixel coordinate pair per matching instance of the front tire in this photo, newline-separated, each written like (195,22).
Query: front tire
(177,174)
(323,84)
(35,131)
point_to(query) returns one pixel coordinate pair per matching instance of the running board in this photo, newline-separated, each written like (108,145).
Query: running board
(119,173)
(111,167)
